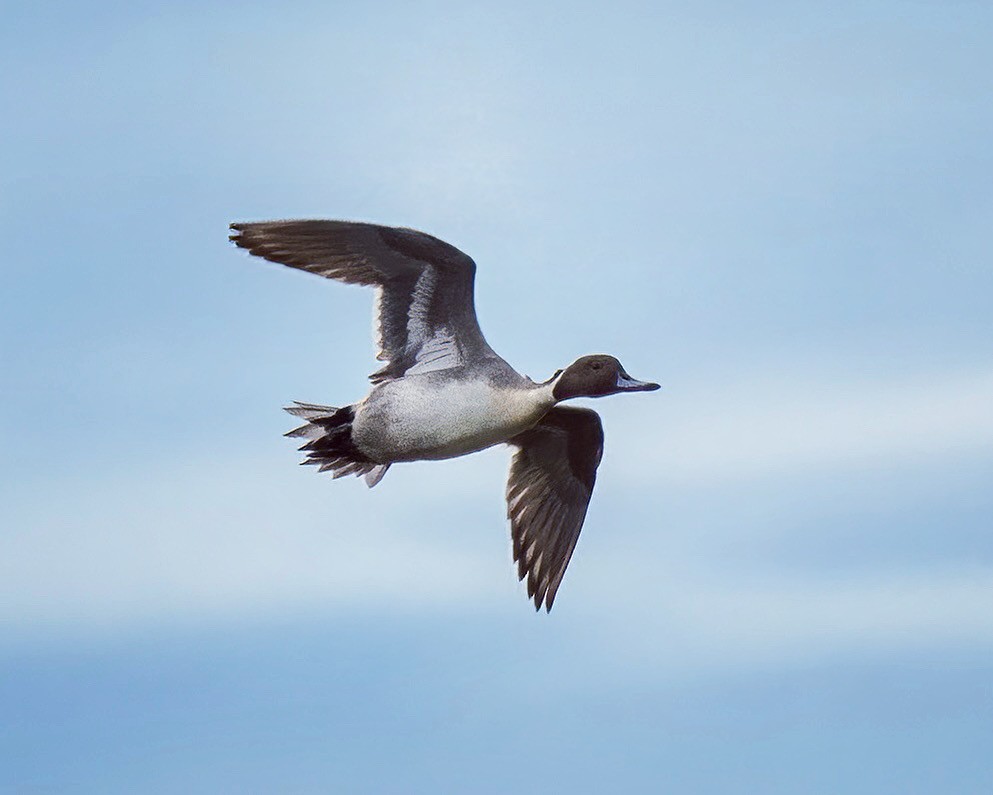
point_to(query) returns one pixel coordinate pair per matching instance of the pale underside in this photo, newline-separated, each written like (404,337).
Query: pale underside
(434,415)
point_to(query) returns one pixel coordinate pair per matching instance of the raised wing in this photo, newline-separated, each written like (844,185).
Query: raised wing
(426,317)
(551,480)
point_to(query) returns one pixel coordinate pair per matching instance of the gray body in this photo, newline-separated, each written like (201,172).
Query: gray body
(448,413)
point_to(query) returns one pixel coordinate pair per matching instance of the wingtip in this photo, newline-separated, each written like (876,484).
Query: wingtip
(540,603)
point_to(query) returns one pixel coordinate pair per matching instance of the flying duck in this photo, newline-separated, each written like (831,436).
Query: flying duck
(443,392)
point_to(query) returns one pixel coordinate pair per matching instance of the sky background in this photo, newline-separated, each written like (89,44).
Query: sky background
(782,212)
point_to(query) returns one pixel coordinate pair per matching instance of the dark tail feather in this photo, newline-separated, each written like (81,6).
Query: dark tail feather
(330,447)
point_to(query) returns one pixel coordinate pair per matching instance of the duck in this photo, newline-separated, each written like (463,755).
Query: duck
(443,392)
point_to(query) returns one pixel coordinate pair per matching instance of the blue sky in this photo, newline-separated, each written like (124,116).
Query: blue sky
(783,214)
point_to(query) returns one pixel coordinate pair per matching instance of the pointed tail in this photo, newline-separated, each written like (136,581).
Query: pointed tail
(330,447)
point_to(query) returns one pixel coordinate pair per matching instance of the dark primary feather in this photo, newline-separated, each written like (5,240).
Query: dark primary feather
(411,312)
(548,491)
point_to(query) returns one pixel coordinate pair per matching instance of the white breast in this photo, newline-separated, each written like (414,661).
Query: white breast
(422,418)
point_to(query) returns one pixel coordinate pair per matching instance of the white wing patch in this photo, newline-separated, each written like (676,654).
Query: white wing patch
(435,349)
(378,332)
(430,346)
(440,352)
(418,330)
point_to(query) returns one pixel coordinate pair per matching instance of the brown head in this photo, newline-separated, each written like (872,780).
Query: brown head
(597,376)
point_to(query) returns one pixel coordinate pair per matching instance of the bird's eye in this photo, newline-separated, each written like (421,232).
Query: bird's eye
(595,365)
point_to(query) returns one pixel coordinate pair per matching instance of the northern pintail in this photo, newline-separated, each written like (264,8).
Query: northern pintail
(443,392)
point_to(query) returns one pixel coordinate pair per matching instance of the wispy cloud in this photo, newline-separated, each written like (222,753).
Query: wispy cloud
(198,540)
(769,426)
(683,620)
(194,540)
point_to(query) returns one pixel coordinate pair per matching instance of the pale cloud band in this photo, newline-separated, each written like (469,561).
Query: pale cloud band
(186,547)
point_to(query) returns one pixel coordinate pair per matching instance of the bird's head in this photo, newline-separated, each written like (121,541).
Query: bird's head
(596,376)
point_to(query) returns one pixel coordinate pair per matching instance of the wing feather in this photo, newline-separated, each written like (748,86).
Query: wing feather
(425,308)
(552,475)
